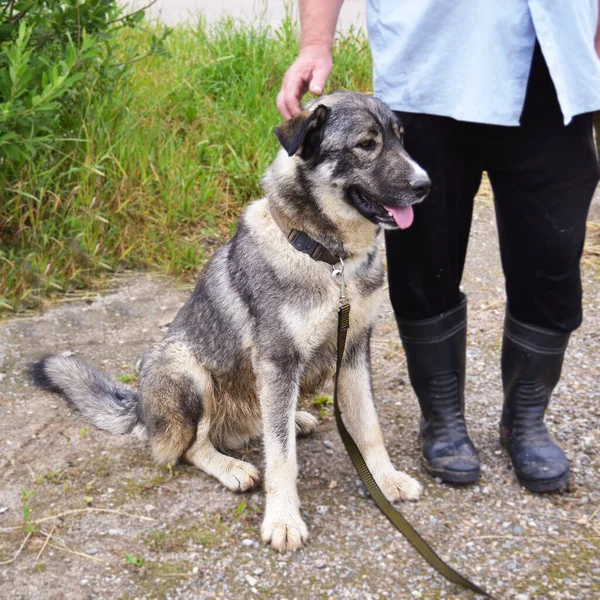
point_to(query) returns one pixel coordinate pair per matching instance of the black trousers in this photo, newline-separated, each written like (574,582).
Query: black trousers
(543,176)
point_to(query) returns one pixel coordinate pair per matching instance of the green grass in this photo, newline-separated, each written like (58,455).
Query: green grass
(156,171)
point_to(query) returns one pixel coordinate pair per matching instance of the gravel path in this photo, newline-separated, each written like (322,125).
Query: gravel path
(184,536)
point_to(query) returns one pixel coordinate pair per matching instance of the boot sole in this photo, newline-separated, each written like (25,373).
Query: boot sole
(461,477)
(544,486)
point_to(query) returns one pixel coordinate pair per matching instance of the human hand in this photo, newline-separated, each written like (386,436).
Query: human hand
(308,73)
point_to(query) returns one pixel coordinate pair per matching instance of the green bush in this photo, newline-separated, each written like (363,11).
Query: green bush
(61,61)
(51,50)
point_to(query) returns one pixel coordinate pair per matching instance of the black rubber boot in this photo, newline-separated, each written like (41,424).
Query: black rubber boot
(435,352)
(532,360)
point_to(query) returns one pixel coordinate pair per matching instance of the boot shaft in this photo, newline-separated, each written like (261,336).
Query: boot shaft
(435,355)
(532,360)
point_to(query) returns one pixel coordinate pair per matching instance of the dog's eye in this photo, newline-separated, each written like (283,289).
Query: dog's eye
(366,144)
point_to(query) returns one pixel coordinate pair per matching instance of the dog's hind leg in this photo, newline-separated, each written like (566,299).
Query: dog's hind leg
(172,413)
(173,386)
(278,389)
(234,474)
(360,417)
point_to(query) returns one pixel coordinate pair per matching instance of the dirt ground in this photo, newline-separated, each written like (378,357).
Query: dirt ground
(130,529)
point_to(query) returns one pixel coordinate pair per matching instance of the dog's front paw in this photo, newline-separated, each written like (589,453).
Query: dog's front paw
(285,532)
(396,485)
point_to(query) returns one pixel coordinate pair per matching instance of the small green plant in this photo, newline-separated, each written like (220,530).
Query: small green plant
(157,540)
(239,511)
(25,495)
(55,476)
(322,403)
(29,525)
(136,561)
(127,378)
(83,431)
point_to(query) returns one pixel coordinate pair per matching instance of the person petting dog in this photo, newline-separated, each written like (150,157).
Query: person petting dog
(508,88)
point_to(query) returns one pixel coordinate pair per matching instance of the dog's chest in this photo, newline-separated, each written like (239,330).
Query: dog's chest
(310,326)
(313,327)
(316,337)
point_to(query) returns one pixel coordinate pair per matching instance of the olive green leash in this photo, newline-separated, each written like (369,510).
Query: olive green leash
(401,524)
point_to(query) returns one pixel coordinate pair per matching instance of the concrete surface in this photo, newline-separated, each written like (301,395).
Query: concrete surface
(271,11)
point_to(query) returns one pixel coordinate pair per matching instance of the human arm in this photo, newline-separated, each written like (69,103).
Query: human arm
(309,72)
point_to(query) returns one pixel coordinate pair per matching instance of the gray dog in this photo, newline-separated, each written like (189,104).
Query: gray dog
(259,330)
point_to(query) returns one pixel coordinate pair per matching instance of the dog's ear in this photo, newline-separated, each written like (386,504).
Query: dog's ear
(304,130)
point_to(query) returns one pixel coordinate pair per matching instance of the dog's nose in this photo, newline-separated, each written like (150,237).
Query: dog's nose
(421,187)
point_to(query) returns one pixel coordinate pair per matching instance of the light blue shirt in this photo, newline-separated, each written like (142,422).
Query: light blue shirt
(470,59)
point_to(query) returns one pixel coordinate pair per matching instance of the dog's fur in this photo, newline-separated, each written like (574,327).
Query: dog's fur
(259,330)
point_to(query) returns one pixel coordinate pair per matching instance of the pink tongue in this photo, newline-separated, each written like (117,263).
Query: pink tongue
(403,216)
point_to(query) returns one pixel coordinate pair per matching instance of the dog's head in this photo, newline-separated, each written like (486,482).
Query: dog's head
(352,144)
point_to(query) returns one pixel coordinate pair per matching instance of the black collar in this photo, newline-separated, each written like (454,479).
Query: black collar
(302,241)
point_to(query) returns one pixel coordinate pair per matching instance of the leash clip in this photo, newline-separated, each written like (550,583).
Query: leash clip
(337,274)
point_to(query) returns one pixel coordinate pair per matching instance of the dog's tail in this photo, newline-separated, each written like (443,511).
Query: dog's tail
(105,404)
